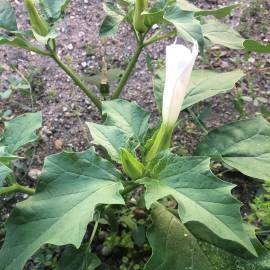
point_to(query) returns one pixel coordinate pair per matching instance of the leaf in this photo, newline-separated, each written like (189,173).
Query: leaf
(205,203)
(187,26)
(223,260)
(222,34)
(110,25)
(203,84)
(6,157)
(78,259)
(186,5)
(127,116)
(21,131)
(7,16)
(254,46)
(219,13)
(110,137)
(70,187)
(113,75)
(16,41)
(174,247)
(4,172)
(206,83)
(54,8)
(243,145)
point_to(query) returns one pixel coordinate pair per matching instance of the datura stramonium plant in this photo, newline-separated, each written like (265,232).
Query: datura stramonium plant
(179,64)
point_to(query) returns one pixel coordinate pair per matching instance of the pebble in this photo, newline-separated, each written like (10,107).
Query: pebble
(70,47)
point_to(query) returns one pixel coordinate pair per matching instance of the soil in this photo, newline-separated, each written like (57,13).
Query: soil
(65,109)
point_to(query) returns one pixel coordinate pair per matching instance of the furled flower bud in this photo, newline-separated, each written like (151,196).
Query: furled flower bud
(138,19)
(179,64)
(39,25)
(131,165)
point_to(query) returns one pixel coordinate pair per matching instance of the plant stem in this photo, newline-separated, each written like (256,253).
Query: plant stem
(16,188)
(77,80)
(38,51)
(128,71)
(197,120)
(93,232)
(156,38)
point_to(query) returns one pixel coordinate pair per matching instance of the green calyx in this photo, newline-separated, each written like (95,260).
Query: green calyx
(39,25)
(139,19)
(161,140)
(132,167)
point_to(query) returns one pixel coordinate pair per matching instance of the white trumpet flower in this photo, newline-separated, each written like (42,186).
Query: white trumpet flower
(179,64)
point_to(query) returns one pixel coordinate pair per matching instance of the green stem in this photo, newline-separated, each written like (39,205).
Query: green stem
(16,188)
(128,71)
(197,120)
(131,187)
(38,51)
(77,80)
(156,38)
(94,232)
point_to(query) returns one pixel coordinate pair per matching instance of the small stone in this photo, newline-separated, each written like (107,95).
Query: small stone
(70,47)
(34,173)
(58,144)
(84,64)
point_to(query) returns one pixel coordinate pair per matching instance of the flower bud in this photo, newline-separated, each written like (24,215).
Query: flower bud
(138,19)
(131,166)
(179,64)
(39,25)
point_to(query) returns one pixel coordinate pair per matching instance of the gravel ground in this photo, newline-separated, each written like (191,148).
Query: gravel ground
(65,113)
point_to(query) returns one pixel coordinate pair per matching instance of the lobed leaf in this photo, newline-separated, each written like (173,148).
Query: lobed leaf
(205,203)
(203,84)
(186,24)
(127,116)
(21,131)
(254,46)
(110,137)
(7,16)
(70,187)
(222,34)
(115,16)
(78,259)
(243,145)
(173,246)
(54,8)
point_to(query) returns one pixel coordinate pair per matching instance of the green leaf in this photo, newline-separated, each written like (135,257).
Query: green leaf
(186,5)
(174,247)
(78,259)
(54,8)
(110,137)
(206,83)
(6,157)
(223,260)
(70,187)
(113,75)
(205,203)
(218,13)
(222,34)
(21,131)
(127,116)
(110,25)
(184,21)
(16,41)
(203,84)
(7,16)
(243,145)
(254,46)
(4,172)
